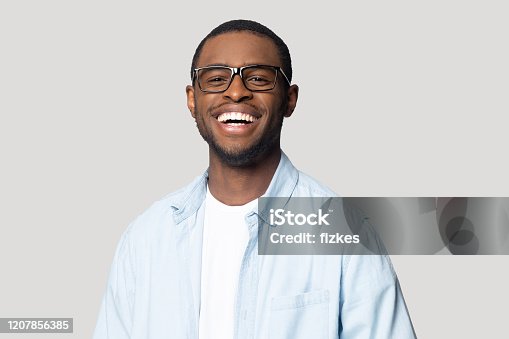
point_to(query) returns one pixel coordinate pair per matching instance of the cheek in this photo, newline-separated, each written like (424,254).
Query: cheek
(270,104)
(278,109)
(203,105)
(201,115)
(198,109)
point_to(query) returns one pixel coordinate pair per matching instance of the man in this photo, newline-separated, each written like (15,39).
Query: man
(189,268)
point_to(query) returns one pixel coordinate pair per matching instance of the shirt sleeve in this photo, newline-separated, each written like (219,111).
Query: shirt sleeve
(115,315)
(372,304)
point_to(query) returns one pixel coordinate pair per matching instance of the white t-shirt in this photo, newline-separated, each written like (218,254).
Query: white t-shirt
(225,238)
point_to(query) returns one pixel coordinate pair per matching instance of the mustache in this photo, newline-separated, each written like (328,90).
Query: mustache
(213,108)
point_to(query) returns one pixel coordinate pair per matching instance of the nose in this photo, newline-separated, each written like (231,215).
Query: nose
(237,91)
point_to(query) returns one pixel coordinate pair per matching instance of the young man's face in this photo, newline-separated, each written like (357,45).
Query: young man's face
(240,144)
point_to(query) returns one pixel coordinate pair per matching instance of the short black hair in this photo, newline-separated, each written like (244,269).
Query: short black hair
(252,27)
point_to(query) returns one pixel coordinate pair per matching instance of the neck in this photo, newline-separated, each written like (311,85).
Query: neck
(237,186)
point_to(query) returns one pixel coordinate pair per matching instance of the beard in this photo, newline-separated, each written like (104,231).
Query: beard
(243,157)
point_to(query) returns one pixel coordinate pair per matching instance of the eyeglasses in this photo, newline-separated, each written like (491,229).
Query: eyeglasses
(256,78)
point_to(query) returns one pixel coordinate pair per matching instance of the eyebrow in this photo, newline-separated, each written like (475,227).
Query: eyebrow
(225,65)
(212,65)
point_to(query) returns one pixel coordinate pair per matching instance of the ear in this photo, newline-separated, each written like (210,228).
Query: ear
(292,95)
(190,100)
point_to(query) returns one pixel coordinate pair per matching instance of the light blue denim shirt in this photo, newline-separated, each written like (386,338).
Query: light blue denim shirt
(153,290)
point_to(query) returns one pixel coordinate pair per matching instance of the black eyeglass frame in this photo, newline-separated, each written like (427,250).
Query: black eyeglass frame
(238,71)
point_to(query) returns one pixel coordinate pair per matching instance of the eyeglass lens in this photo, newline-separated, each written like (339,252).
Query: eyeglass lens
(217,79)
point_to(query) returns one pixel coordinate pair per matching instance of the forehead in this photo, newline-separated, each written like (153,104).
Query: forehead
(238,49)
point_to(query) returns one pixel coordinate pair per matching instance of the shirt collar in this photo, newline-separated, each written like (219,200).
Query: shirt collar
(282,185)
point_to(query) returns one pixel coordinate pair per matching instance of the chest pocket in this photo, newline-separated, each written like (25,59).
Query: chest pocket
(301,316)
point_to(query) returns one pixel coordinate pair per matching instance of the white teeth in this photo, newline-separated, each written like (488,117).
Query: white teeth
(236,116)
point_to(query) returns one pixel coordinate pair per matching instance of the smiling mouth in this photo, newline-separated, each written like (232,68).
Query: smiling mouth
(236,118)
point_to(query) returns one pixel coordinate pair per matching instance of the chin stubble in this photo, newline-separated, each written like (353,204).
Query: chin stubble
(242,157)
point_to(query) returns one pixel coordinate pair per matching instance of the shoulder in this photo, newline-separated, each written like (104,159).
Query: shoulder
(289,180)
(308,186)
(158,219)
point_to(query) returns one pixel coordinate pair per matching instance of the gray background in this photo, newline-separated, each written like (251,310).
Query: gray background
(397,98)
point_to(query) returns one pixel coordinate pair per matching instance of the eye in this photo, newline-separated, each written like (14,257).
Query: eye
(259,77)
(216,81)
(258,80)
(213,77)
